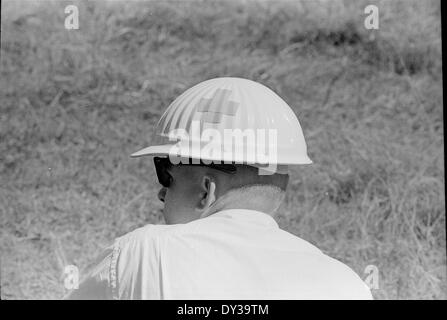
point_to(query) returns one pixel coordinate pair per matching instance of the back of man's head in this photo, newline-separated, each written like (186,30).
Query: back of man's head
(246,176)
(247,189)
(199,191)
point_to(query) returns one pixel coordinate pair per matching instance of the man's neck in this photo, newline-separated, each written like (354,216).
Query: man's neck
(263,198)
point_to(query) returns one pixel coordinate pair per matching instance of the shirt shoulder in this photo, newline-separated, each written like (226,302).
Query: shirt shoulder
(138,258)
(149,232)
(96,284)
(152,234)
(119,265)
(344,283)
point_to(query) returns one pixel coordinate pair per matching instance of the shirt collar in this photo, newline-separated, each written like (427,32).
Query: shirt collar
(252,216)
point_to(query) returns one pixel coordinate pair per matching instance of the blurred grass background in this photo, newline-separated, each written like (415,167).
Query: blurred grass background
(76,103)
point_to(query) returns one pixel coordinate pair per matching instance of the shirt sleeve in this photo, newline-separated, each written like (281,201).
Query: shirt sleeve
(100,282)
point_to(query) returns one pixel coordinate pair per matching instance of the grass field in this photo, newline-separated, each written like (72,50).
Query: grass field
(76,103)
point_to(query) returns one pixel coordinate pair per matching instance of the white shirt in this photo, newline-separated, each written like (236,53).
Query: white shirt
(232,254)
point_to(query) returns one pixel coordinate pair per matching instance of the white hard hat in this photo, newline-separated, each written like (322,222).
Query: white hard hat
(230,120)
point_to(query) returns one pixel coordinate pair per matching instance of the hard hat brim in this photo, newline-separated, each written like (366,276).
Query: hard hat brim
(162,150)
(167,150)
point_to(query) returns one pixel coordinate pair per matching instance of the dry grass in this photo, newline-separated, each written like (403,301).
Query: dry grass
(75,104)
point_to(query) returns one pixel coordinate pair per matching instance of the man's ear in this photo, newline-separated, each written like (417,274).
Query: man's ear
(207,194)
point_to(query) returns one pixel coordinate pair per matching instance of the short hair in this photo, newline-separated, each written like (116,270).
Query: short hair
(248,175)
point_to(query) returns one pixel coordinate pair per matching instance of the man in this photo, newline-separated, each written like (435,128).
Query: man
(223,173)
